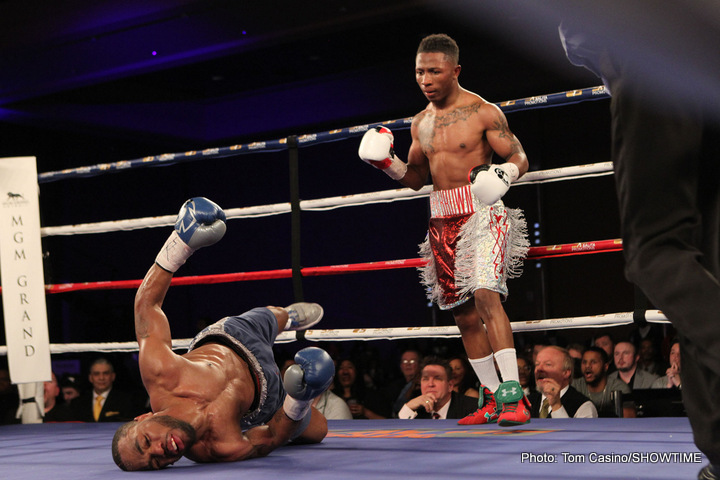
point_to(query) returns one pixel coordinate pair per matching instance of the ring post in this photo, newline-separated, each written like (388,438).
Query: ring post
(293,154)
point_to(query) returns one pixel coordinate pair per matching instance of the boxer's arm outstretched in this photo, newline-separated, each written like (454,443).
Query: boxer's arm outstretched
(200,223)
(152,329)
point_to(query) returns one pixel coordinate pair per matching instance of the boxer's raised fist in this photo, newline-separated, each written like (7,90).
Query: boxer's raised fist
(200,223)
(376,148)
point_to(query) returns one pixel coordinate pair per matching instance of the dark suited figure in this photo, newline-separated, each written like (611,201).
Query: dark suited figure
(437,400)
(662,67)
(104,403)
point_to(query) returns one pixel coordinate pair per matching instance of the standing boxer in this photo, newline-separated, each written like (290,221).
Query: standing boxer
(223,400)
(474,243)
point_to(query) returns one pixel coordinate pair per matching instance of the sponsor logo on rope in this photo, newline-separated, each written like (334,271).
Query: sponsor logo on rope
(582,247)
(310,137)
(536,100)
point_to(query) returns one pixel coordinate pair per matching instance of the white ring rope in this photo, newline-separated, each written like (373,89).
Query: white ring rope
(391,333)
(384,196)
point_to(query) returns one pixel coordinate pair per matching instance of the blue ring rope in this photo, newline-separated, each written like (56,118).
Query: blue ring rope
(541,101)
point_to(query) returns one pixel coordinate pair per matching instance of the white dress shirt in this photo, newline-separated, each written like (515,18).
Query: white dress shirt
(586,410)
(408,414)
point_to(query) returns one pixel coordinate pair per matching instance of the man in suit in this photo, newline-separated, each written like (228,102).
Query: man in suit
(555,397)
(626,358)
(104,403)
(437,399)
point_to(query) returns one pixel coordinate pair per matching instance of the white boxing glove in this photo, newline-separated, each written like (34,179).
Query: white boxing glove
(490,182)
(376,148)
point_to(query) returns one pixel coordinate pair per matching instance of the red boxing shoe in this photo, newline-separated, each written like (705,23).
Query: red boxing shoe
(486,412)
(514,404)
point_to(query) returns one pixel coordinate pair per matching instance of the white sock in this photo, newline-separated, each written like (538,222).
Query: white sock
(485,371)
(507,362)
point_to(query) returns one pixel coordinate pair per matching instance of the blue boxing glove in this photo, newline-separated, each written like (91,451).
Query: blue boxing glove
(309,377)
(200,223)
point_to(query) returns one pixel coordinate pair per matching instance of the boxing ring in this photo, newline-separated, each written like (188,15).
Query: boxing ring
(392,449)
(591,448)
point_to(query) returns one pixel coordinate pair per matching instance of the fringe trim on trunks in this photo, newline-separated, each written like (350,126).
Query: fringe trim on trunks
(471,269)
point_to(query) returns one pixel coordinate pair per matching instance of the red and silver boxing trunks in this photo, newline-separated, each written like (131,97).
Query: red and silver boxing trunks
(470,246)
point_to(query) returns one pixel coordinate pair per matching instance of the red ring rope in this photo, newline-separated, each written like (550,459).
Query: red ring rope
(551,251)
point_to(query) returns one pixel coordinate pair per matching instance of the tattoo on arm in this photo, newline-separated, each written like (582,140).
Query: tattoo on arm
(500,125)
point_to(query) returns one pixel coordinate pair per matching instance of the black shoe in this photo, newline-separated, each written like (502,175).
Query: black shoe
(710,472)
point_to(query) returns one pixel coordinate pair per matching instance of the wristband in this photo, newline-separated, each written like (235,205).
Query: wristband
(296,409)
(174,253)
(397,168)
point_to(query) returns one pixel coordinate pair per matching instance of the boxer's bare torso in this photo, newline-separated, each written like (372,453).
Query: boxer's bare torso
(453,139)
(210,388)
(457,131)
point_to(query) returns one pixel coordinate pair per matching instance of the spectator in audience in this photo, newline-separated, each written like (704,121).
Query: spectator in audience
(607,343)
(70,388)
(672,378)
(527,380)
(575,350)
(408,386)
(626,358)
(437,399)
(104,403)
(364,403)
(595,383)
(464,381)
(332,407)
(555,397)
(55,409)
(649,359)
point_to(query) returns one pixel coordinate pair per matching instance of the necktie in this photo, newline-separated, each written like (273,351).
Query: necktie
(98,407)
(545,409)
(435,416)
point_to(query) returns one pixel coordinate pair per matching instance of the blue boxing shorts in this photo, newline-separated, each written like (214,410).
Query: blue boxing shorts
(251,335)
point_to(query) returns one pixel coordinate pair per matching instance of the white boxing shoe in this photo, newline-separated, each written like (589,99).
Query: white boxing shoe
(303,315)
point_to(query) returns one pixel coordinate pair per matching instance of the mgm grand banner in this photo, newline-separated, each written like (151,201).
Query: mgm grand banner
(23,282)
